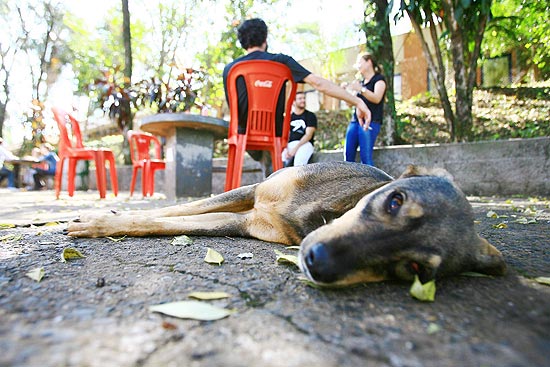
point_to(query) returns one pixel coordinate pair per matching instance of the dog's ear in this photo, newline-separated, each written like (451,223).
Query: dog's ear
(489,260)
(413,170)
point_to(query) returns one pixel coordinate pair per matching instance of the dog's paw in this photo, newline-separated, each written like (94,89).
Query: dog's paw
(98,225)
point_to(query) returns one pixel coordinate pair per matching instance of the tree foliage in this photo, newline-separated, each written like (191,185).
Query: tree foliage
(521,26)
(456,28)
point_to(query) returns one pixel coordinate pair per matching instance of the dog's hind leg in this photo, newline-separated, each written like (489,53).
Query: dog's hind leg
(212,224)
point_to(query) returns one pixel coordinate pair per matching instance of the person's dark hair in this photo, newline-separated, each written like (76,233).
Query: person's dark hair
(252,33)
(377,68)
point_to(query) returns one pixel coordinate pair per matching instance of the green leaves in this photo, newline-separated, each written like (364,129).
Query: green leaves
(70,253)
(423,292)
(191,310)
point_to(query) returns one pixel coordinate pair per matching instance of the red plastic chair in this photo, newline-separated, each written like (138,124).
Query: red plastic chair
(264,80)
(140,146)
(71,148)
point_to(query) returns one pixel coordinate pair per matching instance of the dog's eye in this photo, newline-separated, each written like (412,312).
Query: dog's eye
(394,203)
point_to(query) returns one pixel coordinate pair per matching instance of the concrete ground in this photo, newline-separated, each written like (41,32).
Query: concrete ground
(94,311)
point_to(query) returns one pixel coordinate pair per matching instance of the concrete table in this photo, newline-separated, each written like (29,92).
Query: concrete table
(188,152)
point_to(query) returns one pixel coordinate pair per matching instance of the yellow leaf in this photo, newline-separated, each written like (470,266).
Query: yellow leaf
(213,257)
(182,241)
(70,254)
(6,225)
(423,292)
(500,225)
(36,274)
(120,239)
(543,280)
(282,258)
(208,295)
(191,310)
(51,224)
(492,214)
(433,328)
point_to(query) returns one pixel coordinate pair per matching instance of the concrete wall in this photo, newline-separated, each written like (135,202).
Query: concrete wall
(505,167)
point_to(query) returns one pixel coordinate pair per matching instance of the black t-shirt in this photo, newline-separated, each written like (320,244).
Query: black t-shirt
(298,124)
(376,109)
(298,74)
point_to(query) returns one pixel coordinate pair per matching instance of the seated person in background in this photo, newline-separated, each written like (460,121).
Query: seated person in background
(28,177)
(252,35)
(303,124)
(49,157)
(6,155)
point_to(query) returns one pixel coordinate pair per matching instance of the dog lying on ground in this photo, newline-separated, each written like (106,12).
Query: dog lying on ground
(353,222)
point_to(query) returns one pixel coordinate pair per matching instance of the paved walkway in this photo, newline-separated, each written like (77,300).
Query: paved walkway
(94,311)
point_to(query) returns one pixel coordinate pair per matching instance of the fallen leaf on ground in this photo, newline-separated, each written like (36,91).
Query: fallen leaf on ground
(492,214)
(51,224)
(117,239)
(191,310)
(293,247)
(283,258)
(36,274)
(213,257)
(475,274)
(11,238)
(500,226)
(208,295)
(433,328)
(543,280)
(245,255)
(6,225)
(70,253)
(523,220)
(423,292)
(182,241)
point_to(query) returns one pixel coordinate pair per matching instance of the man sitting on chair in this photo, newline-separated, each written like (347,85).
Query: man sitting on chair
(252,35)
(303,124)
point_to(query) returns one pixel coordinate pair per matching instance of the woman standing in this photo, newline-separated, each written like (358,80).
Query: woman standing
(371,90)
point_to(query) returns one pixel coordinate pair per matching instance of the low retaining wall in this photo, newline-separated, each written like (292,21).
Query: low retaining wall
(503,167)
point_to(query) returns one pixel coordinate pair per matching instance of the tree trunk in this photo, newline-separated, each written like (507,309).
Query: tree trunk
(383,53)
(127,40)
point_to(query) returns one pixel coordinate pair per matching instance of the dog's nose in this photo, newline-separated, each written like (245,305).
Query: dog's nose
(318,263)
(316,255)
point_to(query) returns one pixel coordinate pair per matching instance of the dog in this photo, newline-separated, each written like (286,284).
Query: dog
(354,222)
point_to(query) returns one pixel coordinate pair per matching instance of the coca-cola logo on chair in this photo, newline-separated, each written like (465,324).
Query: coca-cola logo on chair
(263,83)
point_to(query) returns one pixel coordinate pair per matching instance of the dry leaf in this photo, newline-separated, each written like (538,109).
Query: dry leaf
(282,258)
(120,239)
(191,310)
(208,295)
(70,254)
(213,257)
(543,280)
(500,225)
(423,292)
(182,241)
(36,274)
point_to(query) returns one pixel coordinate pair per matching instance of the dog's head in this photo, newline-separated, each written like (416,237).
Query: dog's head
(419,224)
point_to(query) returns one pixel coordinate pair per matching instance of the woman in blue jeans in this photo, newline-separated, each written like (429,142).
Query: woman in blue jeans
(371,90)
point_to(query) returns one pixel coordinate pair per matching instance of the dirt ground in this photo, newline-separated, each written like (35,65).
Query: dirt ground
(94,311)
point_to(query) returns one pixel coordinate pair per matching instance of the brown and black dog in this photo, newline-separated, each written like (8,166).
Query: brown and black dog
(354,223)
